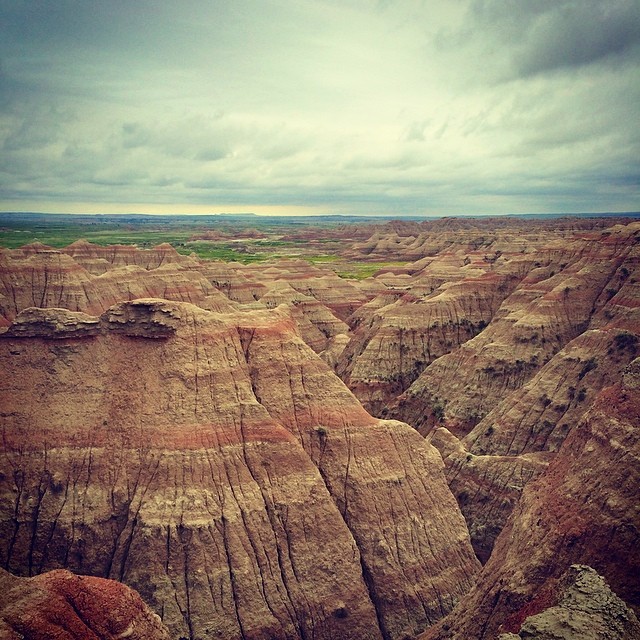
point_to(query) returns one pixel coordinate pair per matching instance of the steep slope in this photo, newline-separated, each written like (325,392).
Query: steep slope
(64,606)
(214,463)
(391,350)
(488,469)
(424,548)
(38,276)
(583,509)
(91,278)
(97,259)
(316,323)
(551,307)
(340,296)
(487,487)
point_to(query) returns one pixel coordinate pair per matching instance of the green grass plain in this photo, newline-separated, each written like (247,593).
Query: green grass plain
(58,234)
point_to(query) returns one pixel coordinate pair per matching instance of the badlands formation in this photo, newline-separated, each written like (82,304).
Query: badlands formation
(446,449)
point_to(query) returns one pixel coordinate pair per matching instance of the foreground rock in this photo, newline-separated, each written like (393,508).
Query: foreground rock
(586,608)
(216,464)
(61,605)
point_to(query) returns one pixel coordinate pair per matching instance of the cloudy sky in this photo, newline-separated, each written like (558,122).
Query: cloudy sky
(320,106)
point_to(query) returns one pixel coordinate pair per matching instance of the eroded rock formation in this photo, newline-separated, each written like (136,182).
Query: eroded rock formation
(582,509)
(213,462)
(585,608)
(209,458)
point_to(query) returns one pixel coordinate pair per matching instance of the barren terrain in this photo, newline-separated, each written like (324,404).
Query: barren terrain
(353,429)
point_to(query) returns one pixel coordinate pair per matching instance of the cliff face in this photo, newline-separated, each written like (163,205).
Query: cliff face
(214,463)
(61,605)
(98,259)
(583,508)
(90,279)
(496,307)
(489,467)
(43,277)
(487,487)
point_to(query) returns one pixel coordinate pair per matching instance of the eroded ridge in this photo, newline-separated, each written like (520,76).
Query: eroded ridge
(215,463)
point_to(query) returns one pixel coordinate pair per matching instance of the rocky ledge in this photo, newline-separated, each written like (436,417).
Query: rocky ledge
(144,318)
(53,323)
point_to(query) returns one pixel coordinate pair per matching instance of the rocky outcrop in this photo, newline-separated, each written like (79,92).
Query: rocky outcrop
(228,475)
(340,296)
(166,423)
(488,469)
(315,321)
(539,416)
(148,318)
(403,239)
(89,278)
(582,509)
(586,608)
(47,278)
(97,258)
(53,323)
(233,280)
(61,605)
(143,318)
(41,278)
(346,444)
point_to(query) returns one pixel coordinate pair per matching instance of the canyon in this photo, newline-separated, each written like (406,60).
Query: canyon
(443,447)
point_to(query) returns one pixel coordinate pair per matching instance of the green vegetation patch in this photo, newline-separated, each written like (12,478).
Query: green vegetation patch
(362,270)
(323,259)
(224,252)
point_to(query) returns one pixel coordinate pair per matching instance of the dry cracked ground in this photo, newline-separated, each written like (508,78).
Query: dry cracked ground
(446,449)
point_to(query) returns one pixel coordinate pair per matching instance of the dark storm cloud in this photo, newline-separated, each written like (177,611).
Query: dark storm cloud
(541,36)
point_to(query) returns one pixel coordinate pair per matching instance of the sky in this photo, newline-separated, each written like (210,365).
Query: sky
(407,107)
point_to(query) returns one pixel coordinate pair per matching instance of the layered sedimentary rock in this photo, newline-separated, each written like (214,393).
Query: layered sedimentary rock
(488,469)
(316,323)
(61,605)
(487,487)
(400,340)
(340,296)
(207,457)
(40,276)
(583,509)
(346,447)
(402,239)
(214,463)
(98,259)
(232,280)
(539,416)
(44,277)
(547,310)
